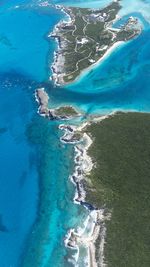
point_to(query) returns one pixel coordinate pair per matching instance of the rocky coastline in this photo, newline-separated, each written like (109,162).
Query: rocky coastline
(95,240)
(61,113)
(57,67)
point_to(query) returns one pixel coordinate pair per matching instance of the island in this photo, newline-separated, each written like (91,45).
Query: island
(60,113)
(86,37)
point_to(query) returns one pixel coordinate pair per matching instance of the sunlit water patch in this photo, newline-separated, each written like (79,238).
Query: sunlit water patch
(81,3)
(141,6)
(121,21)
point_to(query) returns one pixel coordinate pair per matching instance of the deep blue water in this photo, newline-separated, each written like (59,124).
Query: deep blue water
(35,191)
(18,171)
(36,208)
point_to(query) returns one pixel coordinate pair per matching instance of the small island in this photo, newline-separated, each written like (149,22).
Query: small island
(66,111)
(60,113)
(86,38)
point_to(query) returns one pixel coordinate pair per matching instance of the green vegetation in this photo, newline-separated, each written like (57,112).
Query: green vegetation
(77,136)
(66,111)
(87,38)
(121,183)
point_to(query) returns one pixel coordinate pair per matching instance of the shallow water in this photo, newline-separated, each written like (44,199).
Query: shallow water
(114,86)
(36,207)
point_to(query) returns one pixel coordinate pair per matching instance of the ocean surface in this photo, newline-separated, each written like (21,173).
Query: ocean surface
(36,194)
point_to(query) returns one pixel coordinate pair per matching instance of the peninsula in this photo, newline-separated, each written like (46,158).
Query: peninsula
(86,37)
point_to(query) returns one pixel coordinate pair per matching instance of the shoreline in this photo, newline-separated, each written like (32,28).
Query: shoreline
(108,179)
(96,64)
(94,223)
(93,235)
(96,218)
(57,67)
(65,112)
(55,76)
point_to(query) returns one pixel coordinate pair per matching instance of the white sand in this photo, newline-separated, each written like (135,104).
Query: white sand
(97,63)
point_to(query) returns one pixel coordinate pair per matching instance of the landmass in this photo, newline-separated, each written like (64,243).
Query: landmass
(112,178)
(66,111)
(86,38)
(120,182)
(112,160)
(60,113)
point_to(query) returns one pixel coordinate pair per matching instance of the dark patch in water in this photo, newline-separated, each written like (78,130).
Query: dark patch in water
(4,40)
(3,228)
(3,130)
(23,178)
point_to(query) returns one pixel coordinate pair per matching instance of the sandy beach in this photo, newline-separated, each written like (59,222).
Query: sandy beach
(57,75)
(97,63)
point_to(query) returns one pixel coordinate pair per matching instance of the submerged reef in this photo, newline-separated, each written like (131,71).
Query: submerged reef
(86,37)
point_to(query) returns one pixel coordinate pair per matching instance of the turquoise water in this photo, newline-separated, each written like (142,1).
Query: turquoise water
(57,213)
(81,3)
(36,193)
(36,207)
(114,86)
(120,22)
